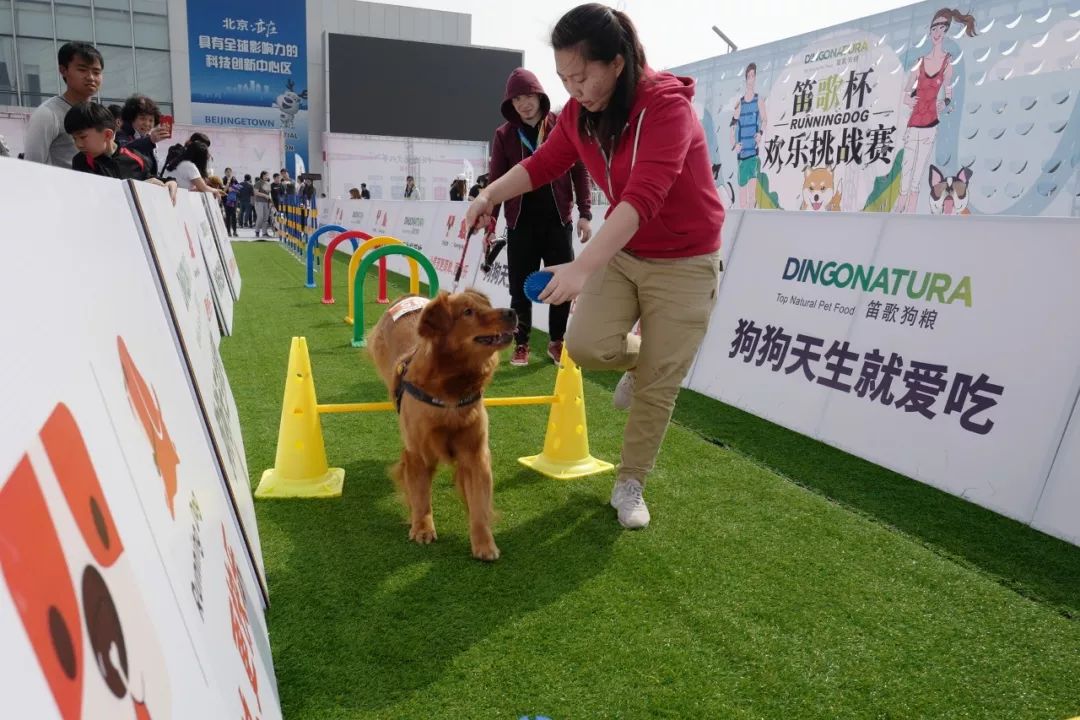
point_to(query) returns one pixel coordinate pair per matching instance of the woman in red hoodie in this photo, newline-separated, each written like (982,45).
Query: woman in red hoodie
(657,257)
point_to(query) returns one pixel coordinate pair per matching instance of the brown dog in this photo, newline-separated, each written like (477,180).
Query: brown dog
(436,362)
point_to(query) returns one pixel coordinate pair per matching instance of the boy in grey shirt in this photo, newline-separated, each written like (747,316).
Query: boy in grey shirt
(81,66)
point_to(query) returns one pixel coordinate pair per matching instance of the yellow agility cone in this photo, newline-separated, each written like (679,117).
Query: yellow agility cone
(300,469)
(566,445)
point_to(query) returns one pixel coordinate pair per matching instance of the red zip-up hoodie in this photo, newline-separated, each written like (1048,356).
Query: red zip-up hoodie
(660,166)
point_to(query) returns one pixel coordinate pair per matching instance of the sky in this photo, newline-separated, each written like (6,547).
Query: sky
(674,32)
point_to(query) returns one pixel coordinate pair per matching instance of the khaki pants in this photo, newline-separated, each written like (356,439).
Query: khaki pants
(674,299)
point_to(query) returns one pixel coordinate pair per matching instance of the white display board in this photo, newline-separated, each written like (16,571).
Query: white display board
(224,245)
(195,222)
(124,587)
(384,163)
(190,298)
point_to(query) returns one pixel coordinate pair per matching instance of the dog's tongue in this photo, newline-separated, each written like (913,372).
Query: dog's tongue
(949,206)
(816,206)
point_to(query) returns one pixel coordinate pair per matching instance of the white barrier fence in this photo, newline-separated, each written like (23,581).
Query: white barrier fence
(928,345)
(437,229)
(245,150)
(383,163)
(1056,510)
(124,498)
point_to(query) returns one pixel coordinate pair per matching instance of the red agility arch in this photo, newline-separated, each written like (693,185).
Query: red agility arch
(328,287)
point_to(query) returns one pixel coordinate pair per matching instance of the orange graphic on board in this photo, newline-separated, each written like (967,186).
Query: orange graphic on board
(144,403)
(76,637)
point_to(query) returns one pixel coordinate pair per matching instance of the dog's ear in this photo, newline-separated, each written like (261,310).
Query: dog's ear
(936,176)
(806,171)
(964,175)
(435,318)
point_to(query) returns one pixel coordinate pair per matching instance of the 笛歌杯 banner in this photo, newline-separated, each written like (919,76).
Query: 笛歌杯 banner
(925,109)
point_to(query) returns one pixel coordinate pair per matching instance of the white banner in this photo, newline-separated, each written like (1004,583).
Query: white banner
(124,588)
(924,344)
(187,286)
(384,163)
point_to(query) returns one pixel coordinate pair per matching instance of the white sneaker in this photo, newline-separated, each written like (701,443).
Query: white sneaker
(624,391)
(626,498)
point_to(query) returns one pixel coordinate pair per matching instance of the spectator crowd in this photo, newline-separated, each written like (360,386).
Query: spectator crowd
(120,141)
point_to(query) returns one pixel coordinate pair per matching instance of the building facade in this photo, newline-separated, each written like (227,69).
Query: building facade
(132,35)
(148,45)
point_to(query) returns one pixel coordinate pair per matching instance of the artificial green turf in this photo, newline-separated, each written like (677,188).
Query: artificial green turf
(779,577)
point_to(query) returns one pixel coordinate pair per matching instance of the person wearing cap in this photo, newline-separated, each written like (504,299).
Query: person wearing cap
(539,223)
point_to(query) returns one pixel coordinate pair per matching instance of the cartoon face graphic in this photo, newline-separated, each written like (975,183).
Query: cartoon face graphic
(289,103)
(819,190)
(64,564)
(144,403)
(949,194)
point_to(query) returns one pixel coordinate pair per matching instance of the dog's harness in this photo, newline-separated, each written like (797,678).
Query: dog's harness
(402,386)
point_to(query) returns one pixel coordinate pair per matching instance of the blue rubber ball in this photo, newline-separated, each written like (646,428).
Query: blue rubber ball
(535,284)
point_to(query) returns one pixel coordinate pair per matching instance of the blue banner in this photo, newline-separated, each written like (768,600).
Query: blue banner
(249,68)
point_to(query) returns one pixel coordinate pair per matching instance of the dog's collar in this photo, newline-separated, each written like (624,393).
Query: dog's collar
(404,386)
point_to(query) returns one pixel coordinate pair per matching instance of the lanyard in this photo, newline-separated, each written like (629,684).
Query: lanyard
(525,140)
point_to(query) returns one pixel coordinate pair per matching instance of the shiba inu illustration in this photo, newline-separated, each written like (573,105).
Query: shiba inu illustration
(819,191)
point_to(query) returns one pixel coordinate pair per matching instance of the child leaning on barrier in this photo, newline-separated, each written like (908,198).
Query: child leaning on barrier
(93,129)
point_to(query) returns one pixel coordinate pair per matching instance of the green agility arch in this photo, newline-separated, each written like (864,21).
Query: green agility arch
(361,275)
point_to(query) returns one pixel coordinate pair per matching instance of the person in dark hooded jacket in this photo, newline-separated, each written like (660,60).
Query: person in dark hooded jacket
(539,223)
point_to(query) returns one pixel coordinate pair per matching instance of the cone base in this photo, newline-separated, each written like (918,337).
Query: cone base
(273,485)
(565,469)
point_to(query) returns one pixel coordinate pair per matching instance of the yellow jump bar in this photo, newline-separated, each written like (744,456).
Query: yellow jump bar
(385,406)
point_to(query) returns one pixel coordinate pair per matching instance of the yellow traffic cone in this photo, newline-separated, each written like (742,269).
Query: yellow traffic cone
(566,445)
(300,469)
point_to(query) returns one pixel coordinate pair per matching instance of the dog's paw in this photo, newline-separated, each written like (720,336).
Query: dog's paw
(487,552)
(423,534)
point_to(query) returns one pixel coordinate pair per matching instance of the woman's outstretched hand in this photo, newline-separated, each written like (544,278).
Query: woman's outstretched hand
(566,283)
(479,213)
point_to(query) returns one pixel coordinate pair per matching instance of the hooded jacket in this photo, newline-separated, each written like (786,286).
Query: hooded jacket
(127,137)
(507,150)
(660,166)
